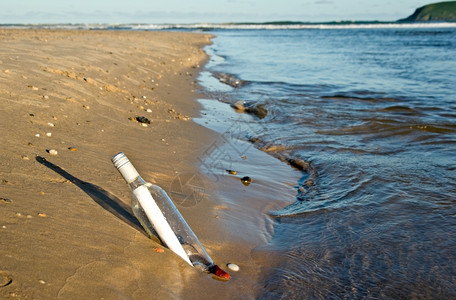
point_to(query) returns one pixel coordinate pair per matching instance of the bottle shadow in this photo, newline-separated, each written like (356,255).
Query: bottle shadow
(102,197)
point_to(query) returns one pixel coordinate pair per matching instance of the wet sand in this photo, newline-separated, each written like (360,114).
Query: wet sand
(66,227)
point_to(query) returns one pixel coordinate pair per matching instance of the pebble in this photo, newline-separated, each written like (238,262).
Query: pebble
(37,135)
(5,200)
(49,134)
(239,106)
(149,110)
(231,172)
(246,180)
(46,97)
(72,149)
(142,120)
(159,250)
(53,152)
(51,124)
(24,157)
(233,267)
(43,215)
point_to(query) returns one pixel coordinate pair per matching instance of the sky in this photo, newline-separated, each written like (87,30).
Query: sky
(202,11)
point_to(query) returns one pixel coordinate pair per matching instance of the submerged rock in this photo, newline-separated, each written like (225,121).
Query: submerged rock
(229,79)
(258,110)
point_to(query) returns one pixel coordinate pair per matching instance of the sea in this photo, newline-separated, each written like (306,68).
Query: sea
(367,113)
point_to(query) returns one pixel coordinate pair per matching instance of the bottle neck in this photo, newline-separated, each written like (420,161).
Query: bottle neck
(135,183)
(126,168)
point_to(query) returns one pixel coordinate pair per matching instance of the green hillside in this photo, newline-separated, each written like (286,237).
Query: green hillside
(442,11)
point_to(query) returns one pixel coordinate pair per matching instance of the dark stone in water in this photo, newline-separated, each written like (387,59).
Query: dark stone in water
(142,120)
(258,110)
(246,180)
(228,79)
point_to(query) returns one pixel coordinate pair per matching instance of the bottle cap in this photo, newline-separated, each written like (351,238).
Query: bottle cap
(125,167)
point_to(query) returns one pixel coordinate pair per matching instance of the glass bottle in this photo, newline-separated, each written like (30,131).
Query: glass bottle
(157,214)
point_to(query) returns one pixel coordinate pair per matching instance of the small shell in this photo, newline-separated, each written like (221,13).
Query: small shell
(49,134)
(72,149)
(53,152)
(233,267)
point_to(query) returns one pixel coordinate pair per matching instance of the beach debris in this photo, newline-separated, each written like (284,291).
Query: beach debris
(178,115)
(52,151)
(159,250)
(142,120)
(231,172)
(219,273)
(232,267)
(5,200)
(24,157)
(246,180)
(72,149)
(5,279)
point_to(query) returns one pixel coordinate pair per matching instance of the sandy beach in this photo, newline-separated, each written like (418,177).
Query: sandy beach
(70,100)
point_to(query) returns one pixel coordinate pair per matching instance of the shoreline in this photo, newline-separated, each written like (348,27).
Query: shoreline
(69,226)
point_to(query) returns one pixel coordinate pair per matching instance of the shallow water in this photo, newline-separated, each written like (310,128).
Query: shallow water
(373,112)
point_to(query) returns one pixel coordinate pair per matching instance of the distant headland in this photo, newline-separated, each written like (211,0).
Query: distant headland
(441,11)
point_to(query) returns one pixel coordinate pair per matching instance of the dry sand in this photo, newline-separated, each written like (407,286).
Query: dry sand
(66,227)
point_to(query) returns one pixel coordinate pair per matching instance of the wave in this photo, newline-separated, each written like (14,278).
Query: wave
(235,26)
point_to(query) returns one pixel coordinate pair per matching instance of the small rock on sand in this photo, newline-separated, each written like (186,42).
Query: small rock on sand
(233,267)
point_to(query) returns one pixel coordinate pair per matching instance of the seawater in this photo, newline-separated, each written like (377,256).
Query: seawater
(370,114)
